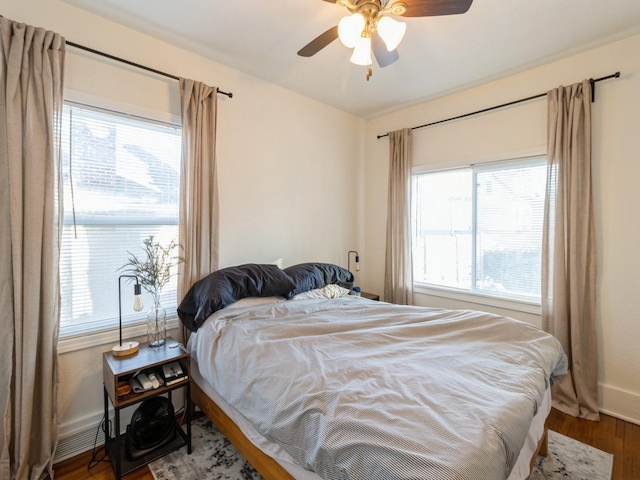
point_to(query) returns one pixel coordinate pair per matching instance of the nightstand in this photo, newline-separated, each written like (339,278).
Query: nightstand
(121,369)
(370,296)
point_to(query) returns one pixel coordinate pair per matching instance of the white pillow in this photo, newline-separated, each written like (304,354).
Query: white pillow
(255,302)
(328,291)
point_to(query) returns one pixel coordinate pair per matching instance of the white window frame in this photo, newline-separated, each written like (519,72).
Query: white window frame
(96,337)
(474,297)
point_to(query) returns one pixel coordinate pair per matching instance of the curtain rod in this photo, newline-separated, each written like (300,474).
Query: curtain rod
(122,60)
(593,97)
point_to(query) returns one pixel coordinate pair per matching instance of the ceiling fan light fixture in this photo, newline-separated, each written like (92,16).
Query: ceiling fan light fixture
(371,23)
(350,29)
(362,52)
(391,31)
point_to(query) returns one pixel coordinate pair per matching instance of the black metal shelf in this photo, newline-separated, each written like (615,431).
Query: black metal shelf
(116,370)
(127,466)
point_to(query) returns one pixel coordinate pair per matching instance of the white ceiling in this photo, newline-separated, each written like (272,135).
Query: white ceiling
(438,54)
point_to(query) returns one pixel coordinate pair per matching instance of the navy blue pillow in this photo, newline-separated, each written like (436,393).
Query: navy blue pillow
(308,276)
(228,285)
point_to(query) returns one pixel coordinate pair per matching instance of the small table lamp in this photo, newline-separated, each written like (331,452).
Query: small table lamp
(349,260)
(129,348)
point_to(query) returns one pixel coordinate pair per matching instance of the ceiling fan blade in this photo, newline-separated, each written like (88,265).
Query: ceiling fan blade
(383,56)
(317,44)
(431,8)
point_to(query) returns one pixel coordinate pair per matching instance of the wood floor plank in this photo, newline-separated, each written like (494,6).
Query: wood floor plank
(610,443)
(620,428)
(631,449)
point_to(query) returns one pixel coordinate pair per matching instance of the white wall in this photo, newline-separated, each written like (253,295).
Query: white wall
(521,130)
(288,166)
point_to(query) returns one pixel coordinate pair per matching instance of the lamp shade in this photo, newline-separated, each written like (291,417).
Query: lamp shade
(391,31)
(350,29)
(362,52)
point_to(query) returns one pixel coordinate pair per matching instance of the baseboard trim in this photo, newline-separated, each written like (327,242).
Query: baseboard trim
(620,403)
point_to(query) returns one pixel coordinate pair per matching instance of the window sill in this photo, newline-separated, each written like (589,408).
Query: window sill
(90,339)
(478,299)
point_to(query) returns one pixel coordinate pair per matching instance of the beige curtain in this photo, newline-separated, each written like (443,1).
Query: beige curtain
(569,250)
(398,275)
(198,184)
(30,111)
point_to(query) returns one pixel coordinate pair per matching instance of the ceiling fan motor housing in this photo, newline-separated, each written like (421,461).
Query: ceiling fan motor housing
(372,9)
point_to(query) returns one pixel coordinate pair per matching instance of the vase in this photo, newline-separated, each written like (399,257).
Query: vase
(157,325)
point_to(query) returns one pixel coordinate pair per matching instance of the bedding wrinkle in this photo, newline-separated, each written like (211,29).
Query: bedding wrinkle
(353,389)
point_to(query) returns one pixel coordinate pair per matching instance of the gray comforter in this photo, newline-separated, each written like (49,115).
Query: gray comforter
(355,389)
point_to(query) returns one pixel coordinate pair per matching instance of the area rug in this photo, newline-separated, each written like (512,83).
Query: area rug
(214,458)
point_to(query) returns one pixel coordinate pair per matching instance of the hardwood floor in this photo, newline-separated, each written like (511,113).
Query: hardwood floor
(611,435)
(76,468)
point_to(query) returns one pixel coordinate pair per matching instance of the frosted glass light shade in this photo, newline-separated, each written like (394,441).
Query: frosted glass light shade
(391,31)
(350,29)
(362,52)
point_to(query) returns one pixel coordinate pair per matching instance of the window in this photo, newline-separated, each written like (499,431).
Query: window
(121,184)
(479,229)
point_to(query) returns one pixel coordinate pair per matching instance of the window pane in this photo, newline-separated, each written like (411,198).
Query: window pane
(443,228)
(479,229)
(121,182)
(123,169)
(510,208)
(89,274)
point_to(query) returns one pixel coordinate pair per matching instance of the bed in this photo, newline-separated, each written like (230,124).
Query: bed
(311,383)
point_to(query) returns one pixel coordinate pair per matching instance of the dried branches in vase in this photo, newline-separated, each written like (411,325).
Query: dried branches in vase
(154,273)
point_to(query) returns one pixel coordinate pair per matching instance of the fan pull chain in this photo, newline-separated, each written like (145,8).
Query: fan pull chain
(369,72)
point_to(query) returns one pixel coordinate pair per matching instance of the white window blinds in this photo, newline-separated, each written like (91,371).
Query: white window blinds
(479,229)
(121,182)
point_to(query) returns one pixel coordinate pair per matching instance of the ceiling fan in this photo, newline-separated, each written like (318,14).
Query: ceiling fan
(369,28)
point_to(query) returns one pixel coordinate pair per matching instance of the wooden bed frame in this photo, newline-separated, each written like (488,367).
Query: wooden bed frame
(263,463)
(266,466)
